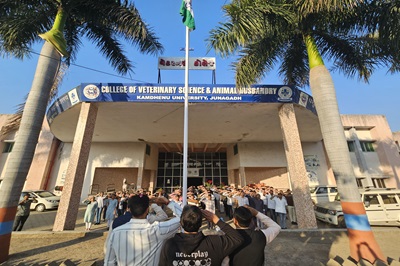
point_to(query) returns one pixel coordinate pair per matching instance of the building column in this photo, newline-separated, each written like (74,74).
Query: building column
(296,167)
(152,180)
(231,177)
(139,177)
(242,177)
(362,163)
(71,195)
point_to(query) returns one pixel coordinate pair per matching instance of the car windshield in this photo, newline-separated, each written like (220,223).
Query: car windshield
(44,194)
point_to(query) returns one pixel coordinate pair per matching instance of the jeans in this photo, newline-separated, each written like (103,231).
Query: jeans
(282,219)
(272,214)
(98,215)
(19,222)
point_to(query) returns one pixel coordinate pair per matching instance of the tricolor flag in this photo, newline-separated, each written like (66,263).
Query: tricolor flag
(187,14)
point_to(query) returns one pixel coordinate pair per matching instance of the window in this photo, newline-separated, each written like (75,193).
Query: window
(373,199)
(333,190)
(351,146)
(322,190)
(379,182)
(397,145)
(367,146)
(148,149)
(359,182)
(389,198)
(235,149)
(8,146)
(210,166)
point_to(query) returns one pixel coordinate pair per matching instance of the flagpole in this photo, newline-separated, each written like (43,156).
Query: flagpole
(186,121)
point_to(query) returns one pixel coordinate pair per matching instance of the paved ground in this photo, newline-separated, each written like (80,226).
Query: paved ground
(38,245)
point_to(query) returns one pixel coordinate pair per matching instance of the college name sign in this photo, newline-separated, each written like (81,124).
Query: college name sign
(173,93)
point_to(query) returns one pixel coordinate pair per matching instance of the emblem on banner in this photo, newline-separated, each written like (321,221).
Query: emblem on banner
(73,97)
(285,94)
(303,99)
(91,92)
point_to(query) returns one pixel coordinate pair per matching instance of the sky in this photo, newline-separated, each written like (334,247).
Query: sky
(379,97)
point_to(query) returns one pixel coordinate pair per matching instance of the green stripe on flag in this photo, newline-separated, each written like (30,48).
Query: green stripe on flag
(187,14)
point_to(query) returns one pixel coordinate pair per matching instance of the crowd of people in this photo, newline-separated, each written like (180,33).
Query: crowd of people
(156,229)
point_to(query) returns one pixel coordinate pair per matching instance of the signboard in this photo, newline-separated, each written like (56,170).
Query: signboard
(163,93)
(193,172)
(179,63)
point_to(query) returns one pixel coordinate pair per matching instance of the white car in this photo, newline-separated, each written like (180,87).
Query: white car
(381,205)
(323,193)
(43,200)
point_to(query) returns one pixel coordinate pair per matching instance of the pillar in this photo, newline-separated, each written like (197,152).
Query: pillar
(71,195)
(152,180)
(296,167)
(139,177)
(242,176)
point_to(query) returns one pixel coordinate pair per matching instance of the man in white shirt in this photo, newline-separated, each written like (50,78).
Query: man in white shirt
(242,200)
(139,242)
(280,209)
(271,205)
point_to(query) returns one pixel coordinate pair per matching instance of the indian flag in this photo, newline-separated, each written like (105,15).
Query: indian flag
(187,14)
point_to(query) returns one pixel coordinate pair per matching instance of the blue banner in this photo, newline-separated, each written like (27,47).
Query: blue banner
(172,93)
(148,92)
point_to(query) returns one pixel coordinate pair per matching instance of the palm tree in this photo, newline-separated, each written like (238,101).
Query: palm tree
(104,22)
(297,43)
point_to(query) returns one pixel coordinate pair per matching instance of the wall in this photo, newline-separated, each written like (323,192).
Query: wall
(386,149)
(151,162)
(269,154)
(10,137)
(268,159)
(321,171)
(270,176)
(42,160)
(121,155)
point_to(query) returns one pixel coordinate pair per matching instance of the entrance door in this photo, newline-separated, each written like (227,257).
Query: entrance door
(195,181)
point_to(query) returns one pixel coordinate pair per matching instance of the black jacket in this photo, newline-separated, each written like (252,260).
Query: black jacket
(198,249)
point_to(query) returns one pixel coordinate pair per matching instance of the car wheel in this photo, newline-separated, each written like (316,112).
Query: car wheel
(40,208)
(341,222)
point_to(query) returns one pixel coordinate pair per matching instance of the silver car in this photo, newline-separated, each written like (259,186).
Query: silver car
(43,200)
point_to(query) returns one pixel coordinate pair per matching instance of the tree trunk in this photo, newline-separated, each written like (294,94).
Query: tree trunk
(20,158)
(362,241)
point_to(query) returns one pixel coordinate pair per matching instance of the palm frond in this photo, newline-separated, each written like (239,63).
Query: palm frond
(109,47)
(247,22)
(294,67)
(314,6)
(256,60)
(349,53)
(20,25)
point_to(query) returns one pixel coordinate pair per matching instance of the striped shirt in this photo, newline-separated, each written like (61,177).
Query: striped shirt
(139,242)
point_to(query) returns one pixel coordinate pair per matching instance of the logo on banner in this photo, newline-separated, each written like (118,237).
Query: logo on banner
(285,94)
(91,91)
(303,99)
(73,97)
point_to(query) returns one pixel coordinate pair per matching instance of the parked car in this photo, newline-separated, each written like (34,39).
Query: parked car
(381,205)
(323,193)
(43,200)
